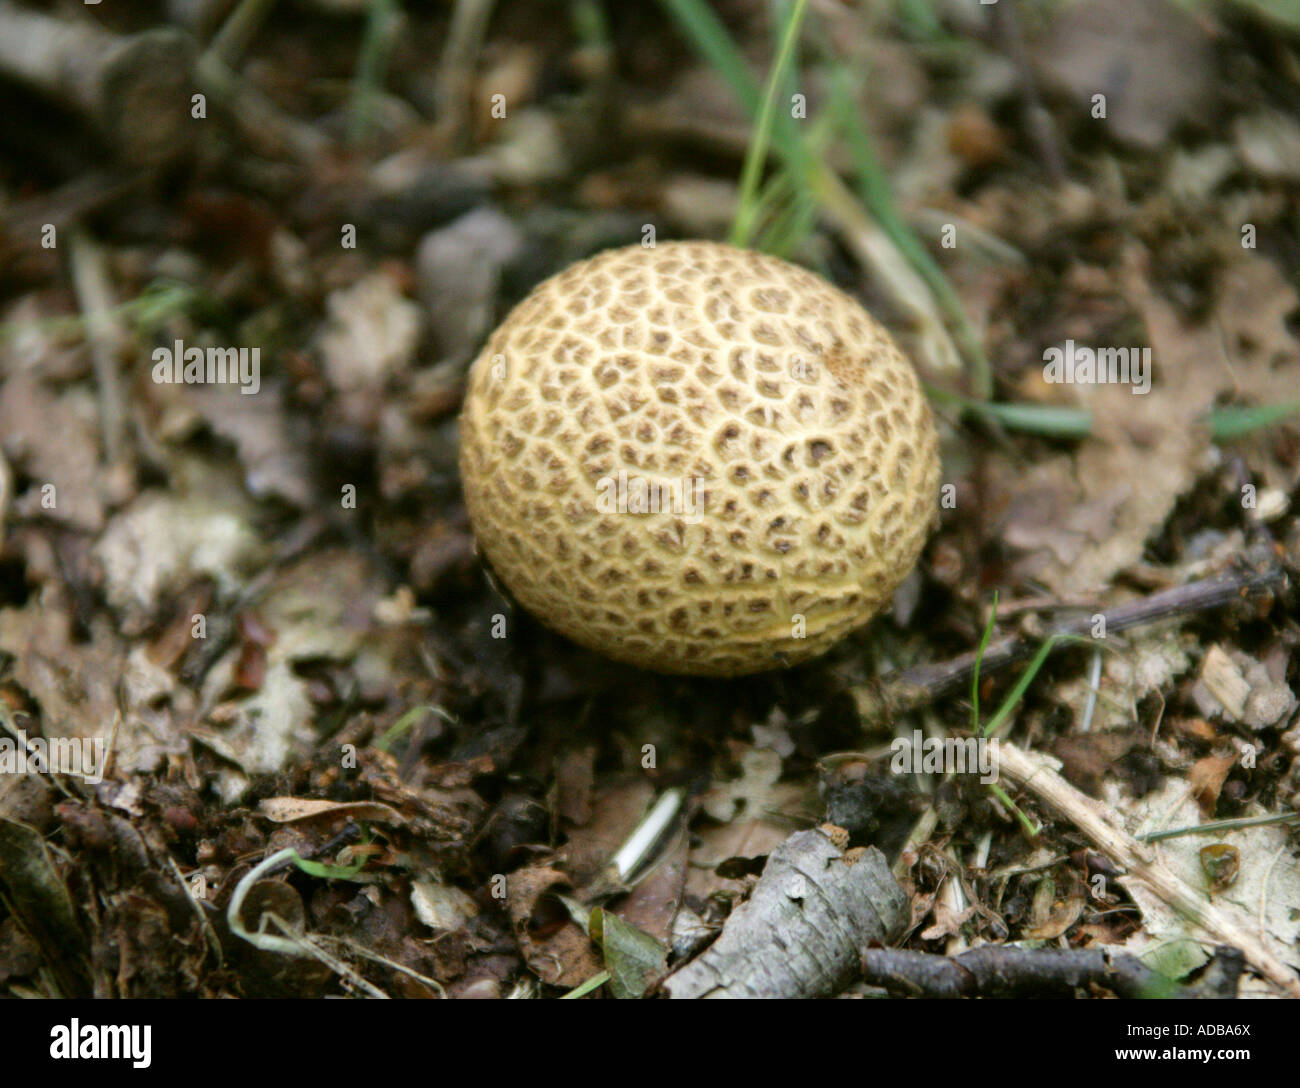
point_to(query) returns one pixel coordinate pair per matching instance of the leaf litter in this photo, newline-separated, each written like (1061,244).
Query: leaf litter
(466,851)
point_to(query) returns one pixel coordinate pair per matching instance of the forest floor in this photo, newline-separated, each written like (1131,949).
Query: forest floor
(266,611)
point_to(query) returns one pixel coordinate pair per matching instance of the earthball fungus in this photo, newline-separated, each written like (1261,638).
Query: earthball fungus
(697,459)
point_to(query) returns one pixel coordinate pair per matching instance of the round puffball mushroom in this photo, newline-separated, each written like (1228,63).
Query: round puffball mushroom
(697,459)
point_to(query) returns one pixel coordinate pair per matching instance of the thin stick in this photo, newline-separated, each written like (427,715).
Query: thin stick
(267,129)
(743,228)
(90,279)
(6,492)
(1221,922)
(454,86)
(1258,574)
(1215,826)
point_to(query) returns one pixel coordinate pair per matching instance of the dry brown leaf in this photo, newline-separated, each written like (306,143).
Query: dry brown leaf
(615,811)
(1086,758)
(54,440)
(947,922)
(1207,777)
(372,333)
(652,905)
(1053,914)
(1151,59)
(318,608)
(287,810)
(1080,518)
(259,426)
(757,793)
(558,952)
(201,528)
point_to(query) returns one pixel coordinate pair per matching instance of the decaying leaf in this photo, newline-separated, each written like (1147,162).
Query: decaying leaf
(286,810)
(1267,887)
(1150,59)
(634,959)
(33,890)
(557,949)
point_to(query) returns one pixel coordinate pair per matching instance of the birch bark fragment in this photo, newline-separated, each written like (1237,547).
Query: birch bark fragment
(802,931)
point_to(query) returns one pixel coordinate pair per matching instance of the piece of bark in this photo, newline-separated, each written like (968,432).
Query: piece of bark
(802,932)
(135,90)
(1002,971)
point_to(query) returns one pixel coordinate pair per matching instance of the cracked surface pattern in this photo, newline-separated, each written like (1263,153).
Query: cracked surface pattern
(697,459)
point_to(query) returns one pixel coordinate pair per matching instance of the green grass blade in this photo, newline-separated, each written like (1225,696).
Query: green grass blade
(407,721)
(1060,421)
(1048,420)
(328,872)
(593,983)
(377,43)
(994,725)
(742,229)
(1233,422)
(1005,798)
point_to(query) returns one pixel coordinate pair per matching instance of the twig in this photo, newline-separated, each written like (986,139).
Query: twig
(1215,826)
(1257,574)
(95,297)
(1220,921)
(453,90)
(921,832)
(267,129)
(134,90)
(205,927)
(1002,971)
(1094,685)
(21,255)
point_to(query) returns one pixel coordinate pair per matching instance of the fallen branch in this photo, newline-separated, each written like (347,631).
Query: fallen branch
(21,257)
(802,931)
(267,129)
(134,90)
(1222,923)
(1258,574)
(1001,971)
